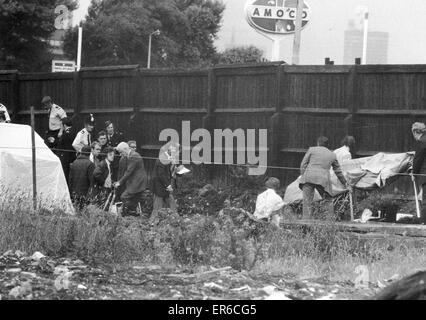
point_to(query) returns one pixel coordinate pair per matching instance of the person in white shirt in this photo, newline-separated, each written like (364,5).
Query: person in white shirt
(269,203)
(56,114)
(84,136)
(345,152)
(6,114)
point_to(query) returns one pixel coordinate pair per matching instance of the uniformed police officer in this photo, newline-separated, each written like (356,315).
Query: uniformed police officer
(84,137)
(3,109)
(56,114)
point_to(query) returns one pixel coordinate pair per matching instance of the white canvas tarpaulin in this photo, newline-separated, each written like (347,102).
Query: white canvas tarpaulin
(16,169)
(364,173)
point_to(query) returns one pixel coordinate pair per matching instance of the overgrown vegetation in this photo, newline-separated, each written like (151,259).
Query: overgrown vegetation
(225,236)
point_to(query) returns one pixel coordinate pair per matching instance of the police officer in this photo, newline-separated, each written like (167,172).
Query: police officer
(114,137)
(56,114)
(3,110)
(84,137)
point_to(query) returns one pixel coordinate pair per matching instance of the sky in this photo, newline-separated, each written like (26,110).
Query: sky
(324,34)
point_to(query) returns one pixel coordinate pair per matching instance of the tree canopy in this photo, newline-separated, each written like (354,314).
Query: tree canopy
(25,27)
(244,54)
(117,32)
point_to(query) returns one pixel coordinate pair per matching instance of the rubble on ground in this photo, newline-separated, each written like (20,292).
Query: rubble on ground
(38,276)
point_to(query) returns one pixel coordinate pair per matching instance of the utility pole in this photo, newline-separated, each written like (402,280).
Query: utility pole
(157,33)
(33,159)
(298,32)
(365,39)
(80,39)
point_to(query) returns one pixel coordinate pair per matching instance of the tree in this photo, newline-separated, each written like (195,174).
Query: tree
(25,27)
(249,54)
(116,32)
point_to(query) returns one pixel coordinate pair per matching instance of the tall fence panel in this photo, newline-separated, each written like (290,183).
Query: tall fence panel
(313,103)
(295,104)
(33,87)
(166,100)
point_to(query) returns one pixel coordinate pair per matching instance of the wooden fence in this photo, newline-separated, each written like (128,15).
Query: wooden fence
(296,104)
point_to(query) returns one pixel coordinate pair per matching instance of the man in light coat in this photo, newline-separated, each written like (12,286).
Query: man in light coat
(315,174)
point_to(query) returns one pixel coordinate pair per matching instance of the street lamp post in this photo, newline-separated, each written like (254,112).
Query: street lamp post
(156,33)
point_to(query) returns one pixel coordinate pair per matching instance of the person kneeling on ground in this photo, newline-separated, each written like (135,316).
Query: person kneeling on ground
(134,179)
(102,177)
(269,203)
(315,172)
(164,181)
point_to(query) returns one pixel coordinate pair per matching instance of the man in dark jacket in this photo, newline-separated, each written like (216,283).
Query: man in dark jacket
(419,163)
(134,179)
(66,151)
(164,181)
(122,167)
(102,177)
(81,178)
(114,137)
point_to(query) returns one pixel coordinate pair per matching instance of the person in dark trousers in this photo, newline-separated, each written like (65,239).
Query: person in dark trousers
(81,178)
(315,172)
(134,179)
(56,114)
(65,150)
(102,177)
(114,137)
(419,163)
(164,181)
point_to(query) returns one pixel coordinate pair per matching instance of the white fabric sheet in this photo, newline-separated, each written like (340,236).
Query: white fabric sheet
(16,170)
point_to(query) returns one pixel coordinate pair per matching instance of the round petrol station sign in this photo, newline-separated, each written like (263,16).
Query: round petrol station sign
(275,16)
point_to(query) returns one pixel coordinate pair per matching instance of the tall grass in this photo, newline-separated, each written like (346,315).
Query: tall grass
(228,238)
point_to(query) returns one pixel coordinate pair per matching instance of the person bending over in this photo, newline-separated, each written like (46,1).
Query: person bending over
(315,174)
(134,179)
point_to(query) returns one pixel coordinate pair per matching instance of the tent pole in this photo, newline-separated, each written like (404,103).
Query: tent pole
(351,204)
(34,169)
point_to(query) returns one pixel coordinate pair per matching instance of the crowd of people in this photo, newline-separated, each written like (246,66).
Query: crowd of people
(96,166)
(108,162)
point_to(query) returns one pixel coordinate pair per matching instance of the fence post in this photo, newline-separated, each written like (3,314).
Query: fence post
(34,159)
(276,123)
(351,102)
(15,95)
(137,98)
(209,119)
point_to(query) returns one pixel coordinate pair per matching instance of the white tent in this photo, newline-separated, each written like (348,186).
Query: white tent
(16,169)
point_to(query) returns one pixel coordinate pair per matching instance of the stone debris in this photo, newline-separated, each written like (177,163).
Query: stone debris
(37,256)
(38,276)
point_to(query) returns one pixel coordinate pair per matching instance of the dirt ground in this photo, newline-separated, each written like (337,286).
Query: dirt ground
(38,277)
